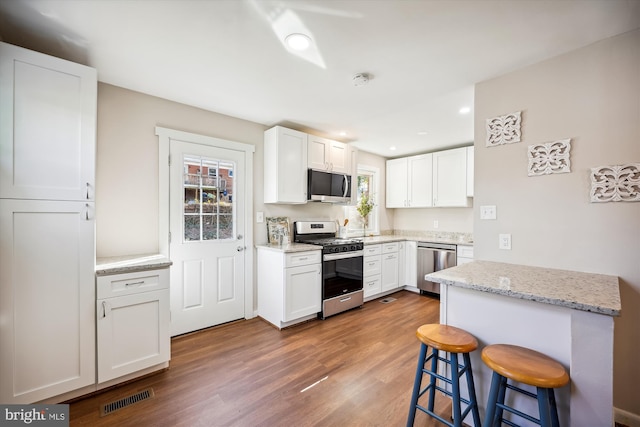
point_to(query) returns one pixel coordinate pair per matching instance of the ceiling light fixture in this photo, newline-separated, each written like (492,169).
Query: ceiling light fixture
(422,132)
(392,148)
(298,41)
(464,110)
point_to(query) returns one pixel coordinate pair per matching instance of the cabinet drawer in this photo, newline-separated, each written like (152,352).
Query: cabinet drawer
(372,266)
(465,252)
(303,258)
(372,250)
(131,283)
(390,247)
(372,285)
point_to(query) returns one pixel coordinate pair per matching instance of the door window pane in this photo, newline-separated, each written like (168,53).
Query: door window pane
(209,210)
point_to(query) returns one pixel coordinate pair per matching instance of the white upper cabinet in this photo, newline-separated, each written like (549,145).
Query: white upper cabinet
(450,177)
(470,170)
(330,156)
(439,179)
(409,182)
(285,166)
(47,126)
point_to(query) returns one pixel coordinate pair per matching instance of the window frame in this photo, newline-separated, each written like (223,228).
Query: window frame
(354,227)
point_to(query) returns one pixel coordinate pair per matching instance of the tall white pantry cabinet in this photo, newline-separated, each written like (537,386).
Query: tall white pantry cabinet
(47,225)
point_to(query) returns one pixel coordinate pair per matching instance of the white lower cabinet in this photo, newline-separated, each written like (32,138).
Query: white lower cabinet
(381,269)
(133,321)
(390,266)
(289,286)
(464,254)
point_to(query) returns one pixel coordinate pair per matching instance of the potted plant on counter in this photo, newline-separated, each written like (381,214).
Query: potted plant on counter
(364,207)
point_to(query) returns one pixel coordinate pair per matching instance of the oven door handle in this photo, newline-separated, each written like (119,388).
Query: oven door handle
(343,255)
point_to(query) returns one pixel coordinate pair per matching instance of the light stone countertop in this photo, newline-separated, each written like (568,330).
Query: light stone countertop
(291,247)
(370,240)
(597,293)
(130,264)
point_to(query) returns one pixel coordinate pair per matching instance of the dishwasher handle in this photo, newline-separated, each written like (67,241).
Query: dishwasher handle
(437,246)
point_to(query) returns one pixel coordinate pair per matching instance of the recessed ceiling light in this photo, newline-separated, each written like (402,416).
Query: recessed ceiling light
(392,148)
(297,41)
(422,132)
(343,133)
(464,110)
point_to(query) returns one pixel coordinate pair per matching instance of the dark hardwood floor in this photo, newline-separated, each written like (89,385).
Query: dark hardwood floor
(248,373)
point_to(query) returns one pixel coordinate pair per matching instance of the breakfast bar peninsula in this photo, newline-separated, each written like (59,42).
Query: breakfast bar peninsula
(566,315)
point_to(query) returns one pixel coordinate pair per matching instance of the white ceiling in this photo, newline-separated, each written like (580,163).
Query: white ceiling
(225,56)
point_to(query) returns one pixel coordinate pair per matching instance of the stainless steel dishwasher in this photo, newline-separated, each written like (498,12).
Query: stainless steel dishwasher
(433,257)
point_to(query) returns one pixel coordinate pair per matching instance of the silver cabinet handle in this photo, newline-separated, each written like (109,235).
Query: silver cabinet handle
(239,249)
(135,283)
(87,212)
(87,191)
(105,309)
(303,258)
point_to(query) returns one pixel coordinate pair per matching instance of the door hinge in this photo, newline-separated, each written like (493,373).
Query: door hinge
(169,237)
(169,157)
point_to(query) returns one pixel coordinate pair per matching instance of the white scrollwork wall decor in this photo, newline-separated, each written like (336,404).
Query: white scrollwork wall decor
(503,129)
(620,183)
(550,157)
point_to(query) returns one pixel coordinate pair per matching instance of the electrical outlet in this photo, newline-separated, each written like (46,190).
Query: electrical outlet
(487,212)
(504,241)
(435,223)
(259,217)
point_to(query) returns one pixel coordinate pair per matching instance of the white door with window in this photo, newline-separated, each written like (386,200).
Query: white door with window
(207,235)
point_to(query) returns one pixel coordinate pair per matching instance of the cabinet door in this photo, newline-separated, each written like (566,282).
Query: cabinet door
(402,264)
(397,183)
(47,298)
(372,286)
(411,264)
(47,126)
(450,177)
(420,181)
(339,158)
(133,333)
(389,275)
(318,153)
(302,291)
(285,166)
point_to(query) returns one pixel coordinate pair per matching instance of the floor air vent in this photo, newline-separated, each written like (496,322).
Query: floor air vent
(109,408)
(387,300)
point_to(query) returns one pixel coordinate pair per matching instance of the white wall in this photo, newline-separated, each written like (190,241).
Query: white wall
(591,95)
(449,219)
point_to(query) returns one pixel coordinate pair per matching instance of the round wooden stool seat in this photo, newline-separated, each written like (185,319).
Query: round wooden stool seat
(447,338)
(525,365)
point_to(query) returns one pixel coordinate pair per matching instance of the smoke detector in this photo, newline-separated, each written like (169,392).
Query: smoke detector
(360,79)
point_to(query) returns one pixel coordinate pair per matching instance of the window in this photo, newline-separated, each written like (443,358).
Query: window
(367,184)
(208,199)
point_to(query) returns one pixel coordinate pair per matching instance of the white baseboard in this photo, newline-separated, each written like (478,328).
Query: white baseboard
(626,418)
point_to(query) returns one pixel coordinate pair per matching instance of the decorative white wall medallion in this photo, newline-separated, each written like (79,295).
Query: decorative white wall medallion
(620,183)
(550,157)
(503,129)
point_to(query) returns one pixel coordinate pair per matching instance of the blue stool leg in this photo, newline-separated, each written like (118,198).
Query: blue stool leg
(501,396)
(455,389)
(416,385)
(543,406)
(554,409)
(472,391)
(435,353)
(489,418)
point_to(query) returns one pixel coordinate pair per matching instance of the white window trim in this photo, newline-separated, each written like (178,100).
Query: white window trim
(374,225)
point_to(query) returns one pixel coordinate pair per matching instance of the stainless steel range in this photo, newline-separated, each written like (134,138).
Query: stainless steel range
(342,261)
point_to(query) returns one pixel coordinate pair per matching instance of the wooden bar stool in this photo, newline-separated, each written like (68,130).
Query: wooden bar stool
(454,341)
(525,366)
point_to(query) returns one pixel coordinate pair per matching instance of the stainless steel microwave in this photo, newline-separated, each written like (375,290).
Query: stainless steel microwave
(328,187)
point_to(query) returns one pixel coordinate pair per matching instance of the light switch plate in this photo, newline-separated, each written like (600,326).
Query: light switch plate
(259,217)
(504,241)
(488,212)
